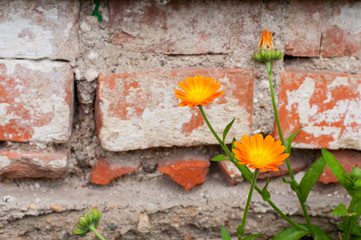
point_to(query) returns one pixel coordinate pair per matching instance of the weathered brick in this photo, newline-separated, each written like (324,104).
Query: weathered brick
(329,28)
(108,169)
(39,29)
(326,105)
(186,169)
(347,158)
(190,27)
(22,164)
(140,110)
(36,101)
(230,172)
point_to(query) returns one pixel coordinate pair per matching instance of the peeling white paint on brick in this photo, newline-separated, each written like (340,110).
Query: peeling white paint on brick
(302,97)
(339,81)
(4,162)
(58,163)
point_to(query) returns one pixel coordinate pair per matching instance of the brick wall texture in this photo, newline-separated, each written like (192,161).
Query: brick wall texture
(65,78)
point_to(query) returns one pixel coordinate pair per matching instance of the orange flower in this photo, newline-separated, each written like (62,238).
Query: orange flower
(259,153)
(198,91)
(266,40)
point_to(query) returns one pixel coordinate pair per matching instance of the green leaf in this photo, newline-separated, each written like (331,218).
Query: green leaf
(311,177)
(225,235)
(339,172)
(219,158)
(246,173)
(291,233)
(289,140)
(341,210)
(318,233)
(355,230)
(226,130)
(233,140)
(265,193)
(250,237)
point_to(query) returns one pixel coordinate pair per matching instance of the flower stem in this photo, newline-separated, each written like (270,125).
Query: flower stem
(303,206)
(243,224)
(92,228)
(234,161)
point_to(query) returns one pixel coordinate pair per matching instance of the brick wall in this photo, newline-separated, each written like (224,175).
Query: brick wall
(79,96)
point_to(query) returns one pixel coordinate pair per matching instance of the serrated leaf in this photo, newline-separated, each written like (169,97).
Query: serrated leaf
(319,234)
(289,140)
(339,172)
(341,211)
(226,130)
(291,233)
(254,236)
(225,235)
(219,158)
(311,177)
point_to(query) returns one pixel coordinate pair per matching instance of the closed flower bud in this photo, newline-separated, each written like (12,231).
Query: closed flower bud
(355,173)
(266,52)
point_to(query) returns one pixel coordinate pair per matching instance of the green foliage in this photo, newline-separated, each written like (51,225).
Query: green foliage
(339,172)
(254,236)
(87,222)
(96,11)
(310,178)
(226,130)
(341,210)
(219,158)
(289,140)
(225,235)
(291,233)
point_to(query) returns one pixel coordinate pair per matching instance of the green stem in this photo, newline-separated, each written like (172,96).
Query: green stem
(348,220)
(92,228)
(234,161)
(303,206)
(253,184)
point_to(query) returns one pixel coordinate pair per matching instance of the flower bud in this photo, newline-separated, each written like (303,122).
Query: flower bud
(266,52)
(355,173)
(357,184)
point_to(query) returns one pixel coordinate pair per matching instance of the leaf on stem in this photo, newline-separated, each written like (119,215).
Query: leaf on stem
(289,140)
(225,235)
(319,233)
(355,230)
(219,158)
(254,236)
(226,130)
(265,193)
(311,177)
(291,233)
(339,172)
(341,210)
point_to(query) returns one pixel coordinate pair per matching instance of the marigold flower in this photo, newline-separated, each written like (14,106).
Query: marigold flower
(198,90)
(266,40)
(266,52)
(259,153)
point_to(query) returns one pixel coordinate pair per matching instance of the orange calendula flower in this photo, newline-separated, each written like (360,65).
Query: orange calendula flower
(266,40)
(259,153)
(198,90)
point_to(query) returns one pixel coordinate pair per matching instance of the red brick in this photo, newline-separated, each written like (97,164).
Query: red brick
(329,28)
(22,164)
(140,110)
(36,101)
(186,169)
(347,158)
(109,169)
(326,105)
(39,29)
(230,172)
(190,27)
